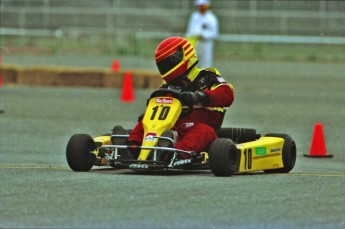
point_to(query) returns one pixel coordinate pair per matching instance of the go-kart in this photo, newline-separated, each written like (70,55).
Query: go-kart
(236,150)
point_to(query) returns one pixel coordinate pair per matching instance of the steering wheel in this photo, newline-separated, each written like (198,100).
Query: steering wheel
(172,93)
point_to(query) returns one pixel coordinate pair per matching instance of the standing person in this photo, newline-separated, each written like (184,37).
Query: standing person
(176,60)
(202,30)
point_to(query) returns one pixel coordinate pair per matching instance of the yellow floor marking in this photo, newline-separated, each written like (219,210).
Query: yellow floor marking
(61,167)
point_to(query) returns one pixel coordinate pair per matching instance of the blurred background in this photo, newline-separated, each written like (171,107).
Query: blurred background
(75,32)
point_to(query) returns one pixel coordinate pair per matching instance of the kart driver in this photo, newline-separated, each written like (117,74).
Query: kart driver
(210,94)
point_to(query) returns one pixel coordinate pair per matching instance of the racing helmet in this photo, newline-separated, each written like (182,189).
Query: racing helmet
(175,56)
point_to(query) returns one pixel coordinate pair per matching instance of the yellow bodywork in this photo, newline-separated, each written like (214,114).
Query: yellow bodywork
(262,154)
(103,140)
(161,114)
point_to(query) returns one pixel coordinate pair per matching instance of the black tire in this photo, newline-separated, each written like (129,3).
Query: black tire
(78,152)
(289,154)
(224,157)
(238,135)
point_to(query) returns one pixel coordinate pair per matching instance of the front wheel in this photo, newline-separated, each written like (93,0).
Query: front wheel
(79,152)
(289,154)
(223,157)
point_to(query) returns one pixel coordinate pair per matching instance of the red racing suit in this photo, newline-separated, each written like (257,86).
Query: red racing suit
(197,130)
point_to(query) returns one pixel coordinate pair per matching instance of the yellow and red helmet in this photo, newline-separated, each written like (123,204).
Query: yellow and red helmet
(174,56)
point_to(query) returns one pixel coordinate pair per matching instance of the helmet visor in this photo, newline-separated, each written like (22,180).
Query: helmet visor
(171,61)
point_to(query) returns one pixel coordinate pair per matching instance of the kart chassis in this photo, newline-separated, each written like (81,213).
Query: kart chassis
(115,158)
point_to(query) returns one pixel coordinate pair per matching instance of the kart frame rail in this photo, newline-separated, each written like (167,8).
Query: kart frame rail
(116,161)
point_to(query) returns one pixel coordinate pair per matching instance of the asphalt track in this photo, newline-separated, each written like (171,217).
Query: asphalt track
(38,190)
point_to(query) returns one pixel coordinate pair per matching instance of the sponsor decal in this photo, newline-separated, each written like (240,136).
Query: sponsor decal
(138,166)
(150,137)
(182,162)
(187,125)
(273,150)
(221,79)
(239,146)
(164,100)
(260,151)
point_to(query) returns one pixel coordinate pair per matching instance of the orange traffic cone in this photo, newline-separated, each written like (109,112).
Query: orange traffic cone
(318,145)
(115,66)
(127,88)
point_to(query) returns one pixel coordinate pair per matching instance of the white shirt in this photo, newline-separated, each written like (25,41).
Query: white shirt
(205,25)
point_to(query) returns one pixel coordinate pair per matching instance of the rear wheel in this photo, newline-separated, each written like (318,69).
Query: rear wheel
(289,154)
(79,152)
(223,157)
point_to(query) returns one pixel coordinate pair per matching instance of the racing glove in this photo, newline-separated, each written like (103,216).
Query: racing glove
(191,98)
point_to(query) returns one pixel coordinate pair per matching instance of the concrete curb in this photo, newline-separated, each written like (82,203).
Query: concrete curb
(75,77)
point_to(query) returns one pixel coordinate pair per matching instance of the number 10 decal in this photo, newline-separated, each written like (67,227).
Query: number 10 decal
(163,114)
(247,159)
